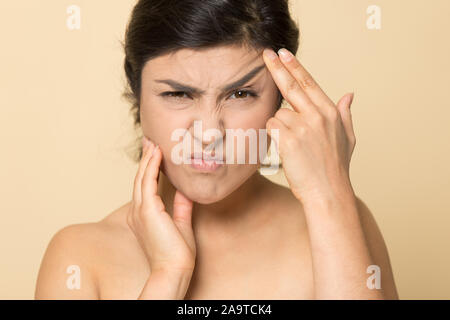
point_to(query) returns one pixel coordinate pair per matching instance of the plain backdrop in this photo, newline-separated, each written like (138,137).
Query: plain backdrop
(65,130)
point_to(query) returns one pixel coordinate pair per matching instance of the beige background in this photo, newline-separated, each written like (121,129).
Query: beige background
(64,128)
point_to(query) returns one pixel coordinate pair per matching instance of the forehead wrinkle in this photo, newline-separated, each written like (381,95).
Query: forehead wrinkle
(185,69)
(234,85)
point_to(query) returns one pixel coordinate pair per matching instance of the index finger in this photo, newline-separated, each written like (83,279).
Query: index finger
(308,84)
(287,84)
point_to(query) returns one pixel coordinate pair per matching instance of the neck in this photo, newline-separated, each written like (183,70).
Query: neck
(234,215)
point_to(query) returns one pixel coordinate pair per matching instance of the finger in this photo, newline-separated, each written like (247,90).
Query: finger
(308,84)
(149,180)
(182,214)
(147,152)
(284,133)
(344,109)
(290,118)
(288,85)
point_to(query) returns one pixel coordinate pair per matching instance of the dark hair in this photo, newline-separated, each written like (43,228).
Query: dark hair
(157,27)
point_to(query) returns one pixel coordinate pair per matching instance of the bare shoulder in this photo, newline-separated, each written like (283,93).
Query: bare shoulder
(283,199)
(75,255)
(377,248)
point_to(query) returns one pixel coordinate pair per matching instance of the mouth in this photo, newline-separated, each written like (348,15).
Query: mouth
(206,162)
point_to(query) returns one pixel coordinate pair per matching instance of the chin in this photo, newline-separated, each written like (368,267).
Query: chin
(204,196)
(204,189)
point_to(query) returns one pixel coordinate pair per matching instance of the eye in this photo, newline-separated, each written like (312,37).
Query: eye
(245,93)
(242,94)
(173,94)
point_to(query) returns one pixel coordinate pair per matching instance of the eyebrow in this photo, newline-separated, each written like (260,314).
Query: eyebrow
(235,85)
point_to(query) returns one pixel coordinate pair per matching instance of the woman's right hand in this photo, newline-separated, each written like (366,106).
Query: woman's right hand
(168,242)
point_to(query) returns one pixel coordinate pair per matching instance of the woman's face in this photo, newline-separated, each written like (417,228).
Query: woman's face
(187,86)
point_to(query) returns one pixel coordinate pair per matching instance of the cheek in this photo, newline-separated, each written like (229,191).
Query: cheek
(253,118)
(158,124)
(252,124)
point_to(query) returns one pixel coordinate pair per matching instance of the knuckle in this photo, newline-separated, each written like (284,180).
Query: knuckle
(278,113)
(271,122)
(307,82)
(297,69)
(318,119)
(281,113)
(333,114)
(291,87)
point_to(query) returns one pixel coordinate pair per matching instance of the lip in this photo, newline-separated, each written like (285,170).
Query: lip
(207,164)
(206,156)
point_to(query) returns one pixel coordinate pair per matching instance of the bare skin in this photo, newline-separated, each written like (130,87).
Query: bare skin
(266,258)
(262,253)
(225,265)
(253,238)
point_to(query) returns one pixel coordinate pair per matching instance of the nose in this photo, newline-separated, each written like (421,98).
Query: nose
(207,134)
(208,130)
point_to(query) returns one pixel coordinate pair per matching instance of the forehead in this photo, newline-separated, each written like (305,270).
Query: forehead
(206,67)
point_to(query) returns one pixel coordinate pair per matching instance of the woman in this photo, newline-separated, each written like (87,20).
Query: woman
(211,230)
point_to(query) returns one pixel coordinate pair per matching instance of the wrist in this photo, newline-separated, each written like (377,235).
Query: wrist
(339,194)
(172,271)
(167,284)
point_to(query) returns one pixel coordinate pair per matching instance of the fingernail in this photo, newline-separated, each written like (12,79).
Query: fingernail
(269,53)
(285,54)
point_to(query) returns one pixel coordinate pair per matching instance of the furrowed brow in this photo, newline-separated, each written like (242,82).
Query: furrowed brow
(235,85)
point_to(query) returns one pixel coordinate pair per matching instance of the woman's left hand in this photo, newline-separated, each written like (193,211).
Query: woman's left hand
(316,140)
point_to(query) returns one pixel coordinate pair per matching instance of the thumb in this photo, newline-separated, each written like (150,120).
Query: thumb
(343,106)
(182,214)
(346,101)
